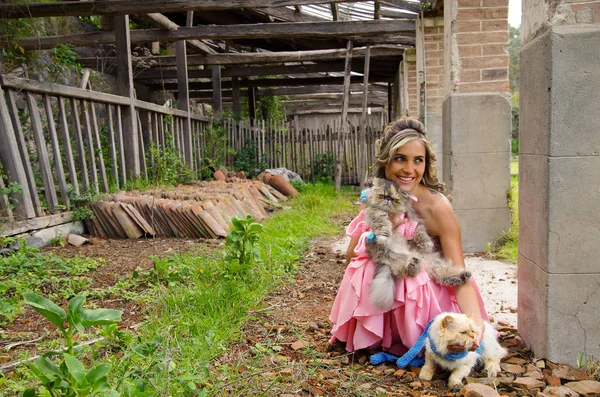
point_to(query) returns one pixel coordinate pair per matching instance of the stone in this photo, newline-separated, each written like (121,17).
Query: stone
(297,345)
(365,386)
(552,380)
(76,240)
(559,391)
(478,390)
(218,176)
(529,383)
(567,372)
(585,387)
(512,368)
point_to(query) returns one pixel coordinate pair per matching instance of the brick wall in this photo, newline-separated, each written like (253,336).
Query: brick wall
(412,90)
(480,46)
(434,64)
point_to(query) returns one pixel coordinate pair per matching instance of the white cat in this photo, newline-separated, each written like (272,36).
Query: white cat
(455,329)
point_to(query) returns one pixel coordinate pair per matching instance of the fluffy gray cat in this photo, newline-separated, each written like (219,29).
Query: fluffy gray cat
(393,255)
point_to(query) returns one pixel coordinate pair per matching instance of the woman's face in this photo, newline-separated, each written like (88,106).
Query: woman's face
(407,166)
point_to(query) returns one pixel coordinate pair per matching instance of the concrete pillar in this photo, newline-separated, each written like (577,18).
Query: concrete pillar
(476,118)
(559,164)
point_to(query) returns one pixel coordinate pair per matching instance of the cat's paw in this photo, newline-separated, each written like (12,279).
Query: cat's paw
(492,366)
(425,246)
(457,279)
(413,267)
(455,382)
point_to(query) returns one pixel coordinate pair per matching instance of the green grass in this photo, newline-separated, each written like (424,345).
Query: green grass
(514,166)
(195,310)
(507,246)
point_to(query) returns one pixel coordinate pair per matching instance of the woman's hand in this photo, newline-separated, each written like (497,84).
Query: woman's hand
(397,220)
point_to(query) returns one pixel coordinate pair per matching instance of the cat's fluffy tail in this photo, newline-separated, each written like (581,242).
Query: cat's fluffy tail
(383,288)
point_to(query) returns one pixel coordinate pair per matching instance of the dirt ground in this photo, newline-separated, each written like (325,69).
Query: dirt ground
(284,350)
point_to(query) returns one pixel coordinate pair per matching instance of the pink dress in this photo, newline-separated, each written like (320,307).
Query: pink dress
(418,299)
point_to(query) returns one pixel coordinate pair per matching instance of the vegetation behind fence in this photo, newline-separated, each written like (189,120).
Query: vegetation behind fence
(59,143)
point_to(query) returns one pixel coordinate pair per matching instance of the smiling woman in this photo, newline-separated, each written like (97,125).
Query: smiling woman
(406,156)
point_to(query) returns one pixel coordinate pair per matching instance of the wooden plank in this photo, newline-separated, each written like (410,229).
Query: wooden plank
(67,146)
(216,86)
(28,225)
(38,87)
(98,153)
(85,182)
(150,138)
(249,58)
(42,151)
(123,7)
(362,165)
(23,152)
(58,166)
(89,140)
(122,166)
(141,149)
(283,30)
(113,146)
(5,206)
(163,21)
(344,121)
(125,88)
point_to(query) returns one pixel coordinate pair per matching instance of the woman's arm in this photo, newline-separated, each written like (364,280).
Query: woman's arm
(451,240)
(350,250)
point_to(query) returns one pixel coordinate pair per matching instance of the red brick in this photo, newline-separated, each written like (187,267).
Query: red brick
(469,26)
(469,50)
(500,61)
(482,38)
(435,54)
(494,3)
(494,74)
(435,69)
(595,6)
(479,14)
(495,25)
(483,87)
(469,3)
(467,76)
(495,49)
(432,62)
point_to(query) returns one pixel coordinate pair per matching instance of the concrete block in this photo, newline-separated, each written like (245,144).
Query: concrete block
(533,208)
(575,122)
(574,215)
(535,97)
(532,298)
(481,226)
(43,237)
(480,180)
(480,123)
(573,323)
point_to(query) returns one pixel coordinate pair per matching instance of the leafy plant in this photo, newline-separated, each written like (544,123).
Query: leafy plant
(169,167)
(81,209)
(70,377)
(64,59)
(247,159)
(58,241)
(324,167)
(242,250)
(13,188)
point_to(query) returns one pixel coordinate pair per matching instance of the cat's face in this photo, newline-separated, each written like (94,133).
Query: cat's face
(454,330)
(385,195)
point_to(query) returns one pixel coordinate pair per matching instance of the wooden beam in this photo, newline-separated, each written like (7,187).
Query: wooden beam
(163,21)
(391,13)
(265,57)
(216,86)
(316,89)
(184,99)
(125,7)
(125,88)
(344,122)
(328,110)
(334,11)
(377,10)
(251,104)
(286,14)
(362,164)
(235,87)
(195,86)
(283,30)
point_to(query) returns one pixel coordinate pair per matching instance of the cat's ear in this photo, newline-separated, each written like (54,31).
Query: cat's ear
(447,322)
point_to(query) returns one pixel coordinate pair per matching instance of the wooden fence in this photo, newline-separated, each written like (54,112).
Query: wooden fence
(58,141)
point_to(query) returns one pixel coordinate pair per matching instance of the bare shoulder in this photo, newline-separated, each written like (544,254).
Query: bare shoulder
(441,217)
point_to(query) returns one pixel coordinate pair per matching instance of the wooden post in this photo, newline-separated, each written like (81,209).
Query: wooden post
(126,88)
(67,143)
(235,91)
(19,136)
(12,164)
(251,103)
(184,97)
(217,96)
(42,150)
(113,145)
(390,102)
(58,166)
(122,166)
(85,181)
(362,165)
(90,145)
(344,126)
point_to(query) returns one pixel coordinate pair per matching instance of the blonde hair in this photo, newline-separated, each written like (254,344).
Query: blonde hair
(395,135)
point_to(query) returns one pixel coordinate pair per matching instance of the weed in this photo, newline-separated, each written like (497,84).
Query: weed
(247,159)
(324,167)
(242,250)
(506,247)
(70,377)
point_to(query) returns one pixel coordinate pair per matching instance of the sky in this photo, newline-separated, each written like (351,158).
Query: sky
(514,13)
